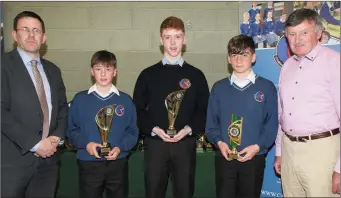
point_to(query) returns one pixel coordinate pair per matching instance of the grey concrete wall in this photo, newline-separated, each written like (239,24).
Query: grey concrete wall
(75,30)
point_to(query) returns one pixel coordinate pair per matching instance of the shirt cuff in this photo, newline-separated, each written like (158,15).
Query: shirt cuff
(35,148)
(190,133)
(278,151)
(337,166)
(152,133)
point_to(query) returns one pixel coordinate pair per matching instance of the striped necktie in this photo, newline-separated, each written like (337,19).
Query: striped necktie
(42,98)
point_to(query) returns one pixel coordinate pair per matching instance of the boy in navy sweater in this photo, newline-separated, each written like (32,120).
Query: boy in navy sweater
(96,173)
(253,100)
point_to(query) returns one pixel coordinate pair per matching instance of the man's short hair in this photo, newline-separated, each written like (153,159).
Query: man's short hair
(104,57)
(172,22)
(304,14)
(25,14)
(238,45)
(326,33)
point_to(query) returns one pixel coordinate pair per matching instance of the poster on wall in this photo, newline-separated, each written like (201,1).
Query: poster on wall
(264,20)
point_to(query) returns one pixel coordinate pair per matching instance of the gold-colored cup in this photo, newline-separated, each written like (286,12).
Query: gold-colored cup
(172,103)
(104,119)
(235,135)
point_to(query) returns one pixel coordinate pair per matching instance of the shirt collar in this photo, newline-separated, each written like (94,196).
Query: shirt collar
(177,62)
(113,89)
(245,22)
(312,54)
(25,57)
(268,19)
(251,77)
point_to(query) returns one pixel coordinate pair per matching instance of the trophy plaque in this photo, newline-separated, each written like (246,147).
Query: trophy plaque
(235,135)
(103,120)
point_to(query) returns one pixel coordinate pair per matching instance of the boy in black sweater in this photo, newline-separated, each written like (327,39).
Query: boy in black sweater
(167,154)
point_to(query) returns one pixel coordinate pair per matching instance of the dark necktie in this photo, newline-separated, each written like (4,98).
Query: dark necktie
(42,98)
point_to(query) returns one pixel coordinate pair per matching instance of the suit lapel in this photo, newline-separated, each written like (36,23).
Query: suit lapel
(26,80)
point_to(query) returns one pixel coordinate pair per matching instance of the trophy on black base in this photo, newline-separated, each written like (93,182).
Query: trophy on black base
(173,102)
(104,119)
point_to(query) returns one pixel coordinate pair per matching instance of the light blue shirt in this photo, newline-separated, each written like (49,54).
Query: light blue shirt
(27,62)
(177,62)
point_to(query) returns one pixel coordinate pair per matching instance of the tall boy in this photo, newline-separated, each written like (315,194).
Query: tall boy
(96,173)
(166,155)
(244,107)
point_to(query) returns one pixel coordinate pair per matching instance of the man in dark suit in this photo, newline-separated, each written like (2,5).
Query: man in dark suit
(33,114)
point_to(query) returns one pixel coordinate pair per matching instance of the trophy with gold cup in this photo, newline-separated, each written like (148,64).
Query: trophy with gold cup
(235,135)
(103,120)
(173,102)
(200,143)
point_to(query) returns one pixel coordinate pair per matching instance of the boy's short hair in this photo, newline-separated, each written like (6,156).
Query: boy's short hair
(104,57)
(172,22)
(239,43)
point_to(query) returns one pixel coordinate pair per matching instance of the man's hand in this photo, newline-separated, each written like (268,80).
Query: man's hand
(277,164)
(113,154)
(54,140)
(46,148)
(91,148)
(336,183)
(161,133)
(248,153)
(224,149)
(182,133)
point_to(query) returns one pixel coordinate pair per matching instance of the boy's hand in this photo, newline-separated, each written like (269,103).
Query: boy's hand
(248,153)
(224,149)
(182,133)
(161,133)
(113,154)
(91,148)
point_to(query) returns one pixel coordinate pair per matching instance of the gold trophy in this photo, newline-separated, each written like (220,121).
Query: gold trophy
(103,120)
(173,102)
(208,147)
(235,135)
(200,143)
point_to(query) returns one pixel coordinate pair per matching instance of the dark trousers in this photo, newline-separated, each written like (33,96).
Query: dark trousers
(38,180)
(239,179)
(97,177)
(176,160)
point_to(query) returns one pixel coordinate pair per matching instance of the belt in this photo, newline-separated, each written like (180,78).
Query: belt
(313,136)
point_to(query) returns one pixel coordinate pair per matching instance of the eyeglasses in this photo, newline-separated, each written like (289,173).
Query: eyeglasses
(27,30)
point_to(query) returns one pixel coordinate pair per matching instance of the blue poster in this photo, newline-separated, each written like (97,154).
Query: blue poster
(268,65)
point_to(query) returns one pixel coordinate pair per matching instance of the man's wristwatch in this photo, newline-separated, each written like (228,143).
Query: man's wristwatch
(61,141)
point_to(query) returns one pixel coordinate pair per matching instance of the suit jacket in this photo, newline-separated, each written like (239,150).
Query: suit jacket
(21,113)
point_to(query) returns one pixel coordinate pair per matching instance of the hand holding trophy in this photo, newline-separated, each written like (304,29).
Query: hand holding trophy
(103,120)
(235,135)
(173,102)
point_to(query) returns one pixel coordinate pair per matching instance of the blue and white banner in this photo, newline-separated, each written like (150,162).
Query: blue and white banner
(268,65)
